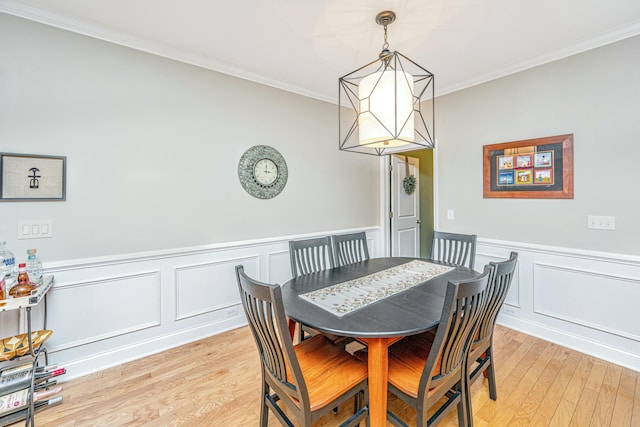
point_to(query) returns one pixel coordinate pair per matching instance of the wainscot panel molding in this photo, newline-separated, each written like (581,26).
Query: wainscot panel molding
(513,296)
(110,310)
(279,266)
(604,313)
(580,299)
(101,296)
(198,292)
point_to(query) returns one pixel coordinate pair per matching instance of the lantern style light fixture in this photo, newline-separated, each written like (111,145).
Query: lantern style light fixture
(381,104)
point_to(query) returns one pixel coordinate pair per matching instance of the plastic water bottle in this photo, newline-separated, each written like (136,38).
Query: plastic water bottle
(9,267)
(34,267)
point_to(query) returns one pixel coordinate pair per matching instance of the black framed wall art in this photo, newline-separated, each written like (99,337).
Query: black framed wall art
(30,177)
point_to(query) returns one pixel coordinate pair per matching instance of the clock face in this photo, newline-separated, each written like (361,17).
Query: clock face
(265,172)
(262,171)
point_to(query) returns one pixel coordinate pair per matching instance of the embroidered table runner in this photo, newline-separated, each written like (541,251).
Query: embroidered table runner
(343,298)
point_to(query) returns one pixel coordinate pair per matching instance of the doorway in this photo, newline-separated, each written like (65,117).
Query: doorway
(401,229)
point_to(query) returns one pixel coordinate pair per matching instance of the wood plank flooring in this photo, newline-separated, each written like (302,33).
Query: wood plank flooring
(215,382)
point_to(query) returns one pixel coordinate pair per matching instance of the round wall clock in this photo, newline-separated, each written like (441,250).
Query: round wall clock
(262,171)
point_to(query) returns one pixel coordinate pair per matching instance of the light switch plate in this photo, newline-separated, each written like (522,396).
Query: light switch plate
(38,229)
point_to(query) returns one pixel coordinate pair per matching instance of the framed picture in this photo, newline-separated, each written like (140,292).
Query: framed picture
(30,177)
(523,161)
(524,177)
(505,178)
(505,162)
(540,168)
(543,159)
(543,176)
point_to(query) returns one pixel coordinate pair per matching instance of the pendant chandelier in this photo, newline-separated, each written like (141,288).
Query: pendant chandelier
(381,104)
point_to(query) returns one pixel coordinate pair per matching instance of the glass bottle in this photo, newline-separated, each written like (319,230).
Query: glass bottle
(23,276)
(8,262)
(23,288)
(34,267)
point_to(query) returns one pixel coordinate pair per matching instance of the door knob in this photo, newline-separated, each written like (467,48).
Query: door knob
(419,221)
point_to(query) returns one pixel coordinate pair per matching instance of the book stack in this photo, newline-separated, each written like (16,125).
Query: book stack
(16,390)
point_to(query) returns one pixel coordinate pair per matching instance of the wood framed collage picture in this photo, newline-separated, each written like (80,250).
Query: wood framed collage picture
(540,168)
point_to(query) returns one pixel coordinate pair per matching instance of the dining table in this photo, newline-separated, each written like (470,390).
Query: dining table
(378,318)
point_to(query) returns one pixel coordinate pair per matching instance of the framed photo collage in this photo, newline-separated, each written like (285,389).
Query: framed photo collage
(534,168)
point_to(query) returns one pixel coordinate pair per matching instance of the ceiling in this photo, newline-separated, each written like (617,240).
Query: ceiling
(304,46)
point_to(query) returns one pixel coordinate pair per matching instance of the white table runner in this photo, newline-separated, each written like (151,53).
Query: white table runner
(343,298)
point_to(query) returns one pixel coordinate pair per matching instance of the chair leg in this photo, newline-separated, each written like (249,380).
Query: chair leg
(264,409)
(484,373)
(493,391)
(465,412)
(463,415)
(358,401)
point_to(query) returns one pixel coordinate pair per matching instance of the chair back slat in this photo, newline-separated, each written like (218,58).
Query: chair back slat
(350,248)
(310,255)
(263,306)
(260,317)
(499,283)
(464,304)
(453,248)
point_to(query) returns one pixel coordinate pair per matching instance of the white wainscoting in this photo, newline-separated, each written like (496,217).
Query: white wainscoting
(107,311)
(111,310)
(579,299)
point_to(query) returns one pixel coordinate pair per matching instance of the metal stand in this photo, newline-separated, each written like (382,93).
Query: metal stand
(27,303)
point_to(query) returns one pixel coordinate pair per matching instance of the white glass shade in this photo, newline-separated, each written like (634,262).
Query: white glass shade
(386,109)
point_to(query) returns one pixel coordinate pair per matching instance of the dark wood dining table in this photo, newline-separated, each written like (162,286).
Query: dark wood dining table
(379,324)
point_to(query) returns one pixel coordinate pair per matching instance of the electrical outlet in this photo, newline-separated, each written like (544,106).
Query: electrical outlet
(450,214)
(511,311)
(232,312)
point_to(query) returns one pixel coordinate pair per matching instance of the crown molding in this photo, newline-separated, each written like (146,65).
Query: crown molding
(127,40)
(42,16)
(590,43)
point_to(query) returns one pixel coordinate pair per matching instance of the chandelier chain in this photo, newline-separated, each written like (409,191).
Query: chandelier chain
(385,46)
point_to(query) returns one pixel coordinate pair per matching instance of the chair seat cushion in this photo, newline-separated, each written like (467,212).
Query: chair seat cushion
(407,359)
(328,370)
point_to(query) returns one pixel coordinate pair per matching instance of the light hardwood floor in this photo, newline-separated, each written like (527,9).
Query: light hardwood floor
(215,382)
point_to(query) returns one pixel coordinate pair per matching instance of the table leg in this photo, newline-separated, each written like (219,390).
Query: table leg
(378,364)
(292,329)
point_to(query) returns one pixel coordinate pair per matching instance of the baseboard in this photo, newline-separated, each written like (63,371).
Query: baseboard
(105,360)
(574,342)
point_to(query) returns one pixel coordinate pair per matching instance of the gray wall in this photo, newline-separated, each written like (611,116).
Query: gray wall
(594,95)
(153,145)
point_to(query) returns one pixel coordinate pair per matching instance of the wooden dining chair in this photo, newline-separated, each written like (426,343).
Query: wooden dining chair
(310,256)
(350,248)
(454,248)
(481,352)
(309,379)
(428,371)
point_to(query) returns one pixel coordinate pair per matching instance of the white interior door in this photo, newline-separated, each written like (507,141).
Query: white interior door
(405,208)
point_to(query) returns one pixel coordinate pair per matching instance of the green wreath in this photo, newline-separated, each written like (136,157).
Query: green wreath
(409,184)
